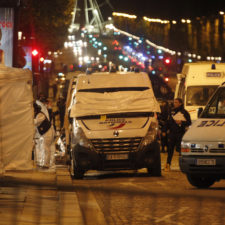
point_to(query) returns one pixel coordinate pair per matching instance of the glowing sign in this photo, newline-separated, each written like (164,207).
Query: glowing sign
(6,34)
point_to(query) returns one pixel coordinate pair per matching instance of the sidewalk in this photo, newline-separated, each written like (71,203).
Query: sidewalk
(39,197)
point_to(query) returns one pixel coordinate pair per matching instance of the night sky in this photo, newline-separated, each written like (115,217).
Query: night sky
(169,8)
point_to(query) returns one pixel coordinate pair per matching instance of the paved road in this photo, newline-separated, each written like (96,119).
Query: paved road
(51,197)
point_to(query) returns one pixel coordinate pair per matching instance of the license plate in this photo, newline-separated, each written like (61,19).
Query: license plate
(116,156)
(206,162)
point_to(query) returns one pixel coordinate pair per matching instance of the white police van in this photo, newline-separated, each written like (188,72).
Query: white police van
(196,84)
(114,124)
(203,145)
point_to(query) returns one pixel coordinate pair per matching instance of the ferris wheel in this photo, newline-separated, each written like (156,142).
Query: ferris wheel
(87,14)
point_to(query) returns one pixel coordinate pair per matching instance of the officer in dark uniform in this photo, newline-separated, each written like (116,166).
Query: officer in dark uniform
(163,118)
(178,122)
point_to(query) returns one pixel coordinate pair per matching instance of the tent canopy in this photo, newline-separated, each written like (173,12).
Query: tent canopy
(16,119)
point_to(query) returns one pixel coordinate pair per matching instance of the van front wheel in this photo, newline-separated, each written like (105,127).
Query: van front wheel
(75,172)
(199,181)
(155,168)
(154,172)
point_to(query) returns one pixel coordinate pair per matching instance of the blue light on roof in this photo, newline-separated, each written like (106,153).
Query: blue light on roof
(193,145)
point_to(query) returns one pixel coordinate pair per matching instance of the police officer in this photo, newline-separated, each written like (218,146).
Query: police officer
(178,122)
(163,118)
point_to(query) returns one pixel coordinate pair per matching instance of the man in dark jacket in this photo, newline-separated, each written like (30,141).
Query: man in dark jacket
(178,122)
(163,118)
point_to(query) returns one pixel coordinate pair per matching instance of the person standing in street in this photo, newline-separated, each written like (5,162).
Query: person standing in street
(61,103)
(44,135)
(162,118)
(177,124)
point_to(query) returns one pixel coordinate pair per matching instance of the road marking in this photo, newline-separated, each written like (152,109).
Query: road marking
(129,183)
(161,183)
(92,212)
(167,218)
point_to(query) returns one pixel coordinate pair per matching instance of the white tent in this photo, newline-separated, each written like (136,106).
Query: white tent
(16,119)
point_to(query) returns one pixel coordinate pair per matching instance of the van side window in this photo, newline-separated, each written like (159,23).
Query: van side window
(216,107)
(221,105)
(199,95)
(181,90)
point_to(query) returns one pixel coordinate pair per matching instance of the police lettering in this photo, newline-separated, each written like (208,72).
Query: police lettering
(214,123)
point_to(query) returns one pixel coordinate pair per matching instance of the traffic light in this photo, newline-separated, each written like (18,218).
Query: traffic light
(35,52)
(35,60)
(167,61)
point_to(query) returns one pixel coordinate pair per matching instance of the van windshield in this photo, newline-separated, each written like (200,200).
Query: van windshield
(199,95)
(216,106)
(114,89)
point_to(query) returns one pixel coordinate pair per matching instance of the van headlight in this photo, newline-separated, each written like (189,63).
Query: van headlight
(185,147)
(80,138)
(151,134)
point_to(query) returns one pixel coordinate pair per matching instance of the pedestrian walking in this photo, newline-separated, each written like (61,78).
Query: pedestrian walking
(163,118)
(177,124)
(61,104)
(44,139)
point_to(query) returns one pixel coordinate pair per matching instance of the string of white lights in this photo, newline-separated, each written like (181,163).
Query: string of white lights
(217,58)
(112,27)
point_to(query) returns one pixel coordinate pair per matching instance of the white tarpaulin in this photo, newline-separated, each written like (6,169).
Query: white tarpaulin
(16,119)
(114,102)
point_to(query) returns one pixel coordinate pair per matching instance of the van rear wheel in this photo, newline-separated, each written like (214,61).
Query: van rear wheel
(200,181)
(75,171)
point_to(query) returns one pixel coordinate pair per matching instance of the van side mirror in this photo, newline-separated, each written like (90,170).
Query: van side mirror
(200,111)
